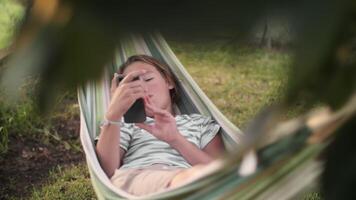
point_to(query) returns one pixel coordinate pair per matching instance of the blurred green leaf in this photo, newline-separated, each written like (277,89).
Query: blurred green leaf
(72,44)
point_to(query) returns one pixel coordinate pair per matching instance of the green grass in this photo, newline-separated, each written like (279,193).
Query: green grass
(22,120)
(12,118)
(239,80)
(66,183)
(18,119)
(11,12)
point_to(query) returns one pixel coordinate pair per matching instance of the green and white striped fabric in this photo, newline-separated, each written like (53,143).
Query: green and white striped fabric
(279,162)
(146,150)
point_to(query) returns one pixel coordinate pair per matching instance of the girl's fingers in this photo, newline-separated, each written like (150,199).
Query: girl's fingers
(113,83)
(154,109)
(113,80)
(136,84)
(157,111)
(162,118)
(149,110)
(150,106)
(137,90)
(149,100)
(138,95)
(160,111)
(132,75)
(145,100)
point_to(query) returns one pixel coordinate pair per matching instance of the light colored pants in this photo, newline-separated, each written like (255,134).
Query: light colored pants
(146,180)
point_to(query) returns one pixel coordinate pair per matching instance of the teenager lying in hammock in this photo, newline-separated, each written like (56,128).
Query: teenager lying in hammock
(160,153)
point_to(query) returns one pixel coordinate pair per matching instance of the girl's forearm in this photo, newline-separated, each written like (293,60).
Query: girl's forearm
(190,152)
(108,149)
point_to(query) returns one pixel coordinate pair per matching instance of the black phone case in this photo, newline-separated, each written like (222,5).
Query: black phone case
(136,113)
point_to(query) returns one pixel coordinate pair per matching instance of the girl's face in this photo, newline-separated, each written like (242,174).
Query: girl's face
(157,87)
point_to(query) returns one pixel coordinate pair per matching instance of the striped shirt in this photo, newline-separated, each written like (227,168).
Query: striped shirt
(143,149)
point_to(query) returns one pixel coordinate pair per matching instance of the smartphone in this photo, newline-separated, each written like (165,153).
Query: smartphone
(136,113)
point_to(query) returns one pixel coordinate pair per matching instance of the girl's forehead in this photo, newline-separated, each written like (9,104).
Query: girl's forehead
(140,66)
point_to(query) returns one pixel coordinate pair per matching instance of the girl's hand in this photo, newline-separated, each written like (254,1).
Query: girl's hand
(165,127)
(124,94)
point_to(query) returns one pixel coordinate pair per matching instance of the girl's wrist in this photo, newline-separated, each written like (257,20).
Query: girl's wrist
(113,117)
(176,141)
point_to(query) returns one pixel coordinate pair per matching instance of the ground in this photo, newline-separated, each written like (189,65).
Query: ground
(29,160)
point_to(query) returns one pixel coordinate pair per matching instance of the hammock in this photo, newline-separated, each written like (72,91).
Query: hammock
(285,168)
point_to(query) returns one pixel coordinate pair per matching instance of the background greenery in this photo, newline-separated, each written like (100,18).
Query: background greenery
(239,78)
(11,13)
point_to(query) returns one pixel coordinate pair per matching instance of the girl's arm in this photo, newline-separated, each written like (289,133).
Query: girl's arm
(193,154)
(122,97)
(108,149)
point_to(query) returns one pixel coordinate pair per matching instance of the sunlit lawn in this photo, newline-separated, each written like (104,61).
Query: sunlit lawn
(239,80)
(66,183)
